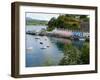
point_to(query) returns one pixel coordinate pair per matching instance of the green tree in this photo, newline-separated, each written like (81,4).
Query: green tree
(51,24)
(64,21)
(84,18)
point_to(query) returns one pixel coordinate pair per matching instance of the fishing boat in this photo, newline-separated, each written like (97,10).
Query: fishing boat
(78,38)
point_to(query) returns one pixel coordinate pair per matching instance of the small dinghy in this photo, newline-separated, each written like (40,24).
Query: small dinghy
(41,42)
(30,48)
(45,39)
(43,48)
(37,38)
(48,46)
(82,39)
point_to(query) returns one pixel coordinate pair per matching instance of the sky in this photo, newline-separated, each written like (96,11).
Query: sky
(41,16)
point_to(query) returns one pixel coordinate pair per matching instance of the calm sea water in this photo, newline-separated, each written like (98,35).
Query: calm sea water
(43,50)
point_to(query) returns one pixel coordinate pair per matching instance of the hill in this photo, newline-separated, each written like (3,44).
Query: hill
(30,21)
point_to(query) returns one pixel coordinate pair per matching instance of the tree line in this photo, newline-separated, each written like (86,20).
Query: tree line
(67,21)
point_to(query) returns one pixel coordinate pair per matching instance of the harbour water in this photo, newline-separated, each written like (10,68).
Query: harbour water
(44,50)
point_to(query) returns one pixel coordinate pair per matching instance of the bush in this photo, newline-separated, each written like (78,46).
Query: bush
(71,55)
(85,53)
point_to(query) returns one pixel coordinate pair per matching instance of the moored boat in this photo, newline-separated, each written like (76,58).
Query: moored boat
(82,39)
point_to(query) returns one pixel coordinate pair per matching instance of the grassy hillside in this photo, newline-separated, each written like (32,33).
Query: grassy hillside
(35,22)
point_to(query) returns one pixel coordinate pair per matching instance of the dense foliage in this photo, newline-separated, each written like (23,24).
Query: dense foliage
(85,53)
(73,56)
(66,21)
